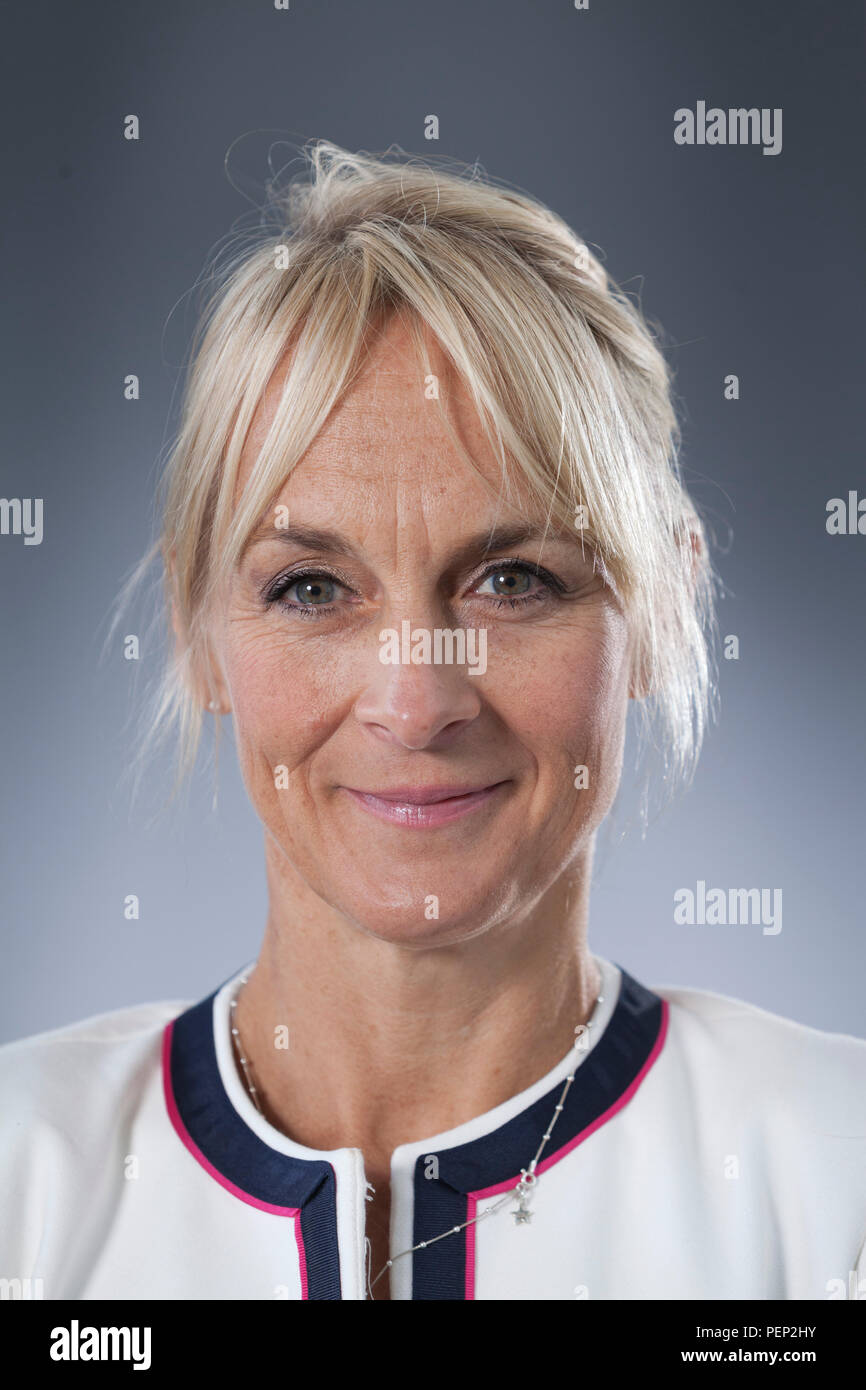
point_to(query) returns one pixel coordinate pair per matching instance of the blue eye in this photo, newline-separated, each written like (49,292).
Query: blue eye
(314,594)
(313,590)
(512,584)
(509,581)
(309,595)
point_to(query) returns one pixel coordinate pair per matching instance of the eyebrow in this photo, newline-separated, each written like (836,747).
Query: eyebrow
(482,543)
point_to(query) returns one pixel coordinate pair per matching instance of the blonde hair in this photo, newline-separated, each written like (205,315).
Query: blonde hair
(569,383)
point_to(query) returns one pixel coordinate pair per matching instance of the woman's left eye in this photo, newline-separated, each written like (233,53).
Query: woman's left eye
(516,584)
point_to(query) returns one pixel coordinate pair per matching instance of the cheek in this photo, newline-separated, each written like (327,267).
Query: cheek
(569,711)
(574,694)
(285,698)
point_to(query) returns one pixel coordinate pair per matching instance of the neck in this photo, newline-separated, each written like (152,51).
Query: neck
(390,1043)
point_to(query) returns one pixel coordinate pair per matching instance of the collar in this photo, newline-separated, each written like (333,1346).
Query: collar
(216,1120)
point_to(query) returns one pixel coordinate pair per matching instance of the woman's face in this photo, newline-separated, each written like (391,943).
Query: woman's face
(422,800)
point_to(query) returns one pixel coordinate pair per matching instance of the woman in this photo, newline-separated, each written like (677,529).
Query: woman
(425,539)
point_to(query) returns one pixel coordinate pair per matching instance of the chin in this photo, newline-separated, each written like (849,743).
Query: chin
(413,922)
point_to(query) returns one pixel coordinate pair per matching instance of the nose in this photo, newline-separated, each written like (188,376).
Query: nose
(424,706)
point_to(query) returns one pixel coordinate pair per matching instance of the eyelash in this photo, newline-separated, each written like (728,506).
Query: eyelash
(274,594)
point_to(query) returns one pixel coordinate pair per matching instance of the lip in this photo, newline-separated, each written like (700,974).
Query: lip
(422,807)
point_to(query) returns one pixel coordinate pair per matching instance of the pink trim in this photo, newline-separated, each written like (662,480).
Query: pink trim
(189,1143)
(471,1213)
(302,1255)
(474,1197)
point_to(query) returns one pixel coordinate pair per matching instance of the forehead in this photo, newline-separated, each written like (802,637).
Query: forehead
(387,428)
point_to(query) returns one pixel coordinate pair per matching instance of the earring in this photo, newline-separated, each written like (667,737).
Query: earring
(214,705)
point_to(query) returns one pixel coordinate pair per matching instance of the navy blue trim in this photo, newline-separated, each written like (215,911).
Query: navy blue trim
(439,1271)
(245,1159)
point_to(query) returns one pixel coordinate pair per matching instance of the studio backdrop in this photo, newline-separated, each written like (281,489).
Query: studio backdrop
(710,153)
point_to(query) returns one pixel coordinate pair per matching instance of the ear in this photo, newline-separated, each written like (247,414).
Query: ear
(640,681)
(692,550)
(206,676)
(695,550)
(216,698)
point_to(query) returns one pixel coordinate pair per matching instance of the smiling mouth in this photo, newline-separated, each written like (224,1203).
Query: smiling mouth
(422,807)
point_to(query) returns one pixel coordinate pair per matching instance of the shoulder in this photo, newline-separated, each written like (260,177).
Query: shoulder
(765,1058)
(71,1101)
(56,1078)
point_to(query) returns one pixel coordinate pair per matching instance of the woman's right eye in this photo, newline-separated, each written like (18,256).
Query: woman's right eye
(309,594)
(313,591)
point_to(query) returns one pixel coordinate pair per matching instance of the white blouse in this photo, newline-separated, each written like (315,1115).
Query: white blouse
(705,1149)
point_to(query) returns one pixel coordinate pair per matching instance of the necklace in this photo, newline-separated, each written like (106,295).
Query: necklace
(523,1189)
(238,1045)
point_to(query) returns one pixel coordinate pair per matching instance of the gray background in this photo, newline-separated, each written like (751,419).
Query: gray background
(753,265)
